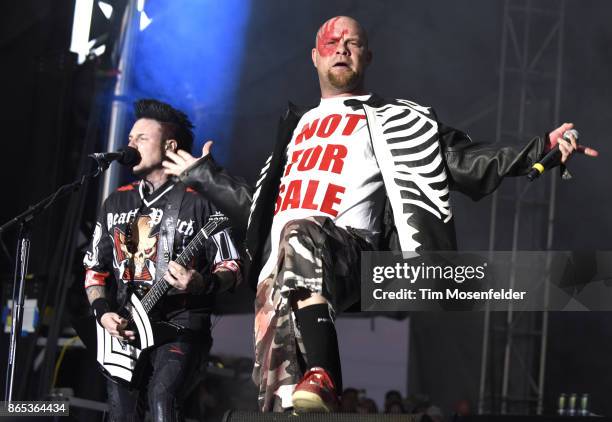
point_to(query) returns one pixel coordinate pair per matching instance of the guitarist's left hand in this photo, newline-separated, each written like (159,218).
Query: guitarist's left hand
(182,278)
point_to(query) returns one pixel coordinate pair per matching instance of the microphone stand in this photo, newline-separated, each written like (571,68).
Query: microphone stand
(21,263)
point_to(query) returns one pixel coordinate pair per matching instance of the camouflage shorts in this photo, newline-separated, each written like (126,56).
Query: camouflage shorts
(316,255)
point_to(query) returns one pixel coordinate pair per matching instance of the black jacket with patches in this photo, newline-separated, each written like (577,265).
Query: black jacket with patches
(125,244)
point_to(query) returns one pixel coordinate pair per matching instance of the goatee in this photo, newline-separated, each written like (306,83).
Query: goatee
(343,80)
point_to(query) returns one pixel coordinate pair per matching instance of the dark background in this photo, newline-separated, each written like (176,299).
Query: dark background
(441,53)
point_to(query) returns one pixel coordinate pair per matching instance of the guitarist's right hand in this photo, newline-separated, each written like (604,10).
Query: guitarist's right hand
(115,325)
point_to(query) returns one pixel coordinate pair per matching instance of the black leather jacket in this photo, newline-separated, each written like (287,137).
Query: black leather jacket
(448,160)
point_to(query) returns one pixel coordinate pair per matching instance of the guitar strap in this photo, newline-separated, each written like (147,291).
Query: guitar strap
(165,246)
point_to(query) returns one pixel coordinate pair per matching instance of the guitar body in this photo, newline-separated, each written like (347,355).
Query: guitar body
(123,361)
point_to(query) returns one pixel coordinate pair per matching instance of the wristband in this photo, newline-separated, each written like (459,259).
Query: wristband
(100,306)
(233,266)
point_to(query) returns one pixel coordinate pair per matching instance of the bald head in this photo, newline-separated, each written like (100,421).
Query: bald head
(341,56)
(328,28)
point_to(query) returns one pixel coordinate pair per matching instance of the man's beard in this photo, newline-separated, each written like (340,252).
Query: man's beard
(343,80)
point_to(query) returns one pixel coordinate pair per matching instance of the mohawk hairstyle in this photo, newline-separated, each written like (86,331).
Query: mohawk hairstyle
(175,124)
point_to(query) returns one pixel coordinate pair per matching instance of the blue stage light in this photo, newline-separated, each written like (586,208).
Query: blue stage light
(190,55)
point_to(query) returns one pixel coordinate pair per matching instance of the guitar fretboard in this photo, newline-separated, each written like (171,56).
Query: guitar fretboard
(161,286)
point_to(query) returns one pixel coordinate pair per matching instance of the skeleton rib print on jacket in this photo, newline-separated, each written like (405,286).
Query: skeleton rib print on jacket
(410,161)
(420,160)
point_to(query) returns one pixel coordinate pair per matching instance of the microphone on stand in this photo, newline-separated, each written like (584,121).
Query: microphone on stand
(127,156)
(552,158)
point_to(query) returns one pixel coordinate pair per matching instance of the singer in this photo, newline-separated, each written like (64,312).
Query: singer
(390,167)
(130,247)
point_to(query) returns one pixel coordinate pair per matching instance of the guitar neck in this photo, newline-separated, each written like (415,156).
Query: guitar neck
(159,289)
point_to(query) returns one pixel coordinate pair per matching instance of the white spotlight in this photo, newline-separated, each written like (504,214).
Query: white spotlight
(106,8)
(100,50)
(144,20)
(81,25)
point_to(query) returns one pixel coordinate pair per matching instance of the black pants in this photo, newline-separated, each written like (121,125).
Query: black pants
(172,364)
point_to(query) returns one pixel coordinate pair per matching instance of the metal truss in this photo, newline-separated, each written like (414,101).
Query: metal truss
(514,343)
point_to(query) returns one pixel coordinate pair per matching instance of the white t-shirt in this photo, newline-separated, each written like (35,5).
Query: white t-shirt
(331,171)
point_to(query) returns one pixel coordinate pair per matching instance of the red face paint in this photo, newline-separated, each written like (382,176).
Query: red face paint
(327,39)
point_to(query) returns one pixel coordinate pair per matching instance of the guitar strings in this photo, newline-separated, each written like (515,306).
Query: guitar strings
(161,286)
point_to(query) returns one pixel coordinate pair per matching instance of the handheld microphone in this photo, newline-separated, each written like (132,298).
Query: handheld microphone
(552,158)
(127,156)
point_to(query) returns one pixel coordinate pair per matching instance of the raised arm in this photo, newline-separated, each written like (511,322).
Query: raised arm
(476,169)
(232,195)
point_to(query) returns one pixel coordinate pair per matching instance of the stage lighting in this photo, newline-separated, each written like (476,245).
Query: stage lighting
(144,20)
(106,8)
(90,29)
(81,25)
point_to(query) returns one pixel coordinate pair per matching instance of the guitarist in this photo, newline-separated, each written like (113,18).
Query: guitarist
(130,245)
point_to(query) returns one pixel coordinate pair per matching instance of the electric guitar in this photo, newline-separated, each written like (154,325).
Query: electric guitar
(121,360)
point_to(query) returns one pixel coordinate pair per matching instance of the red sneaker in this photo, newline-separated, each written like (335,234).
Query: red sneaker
(315,393)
